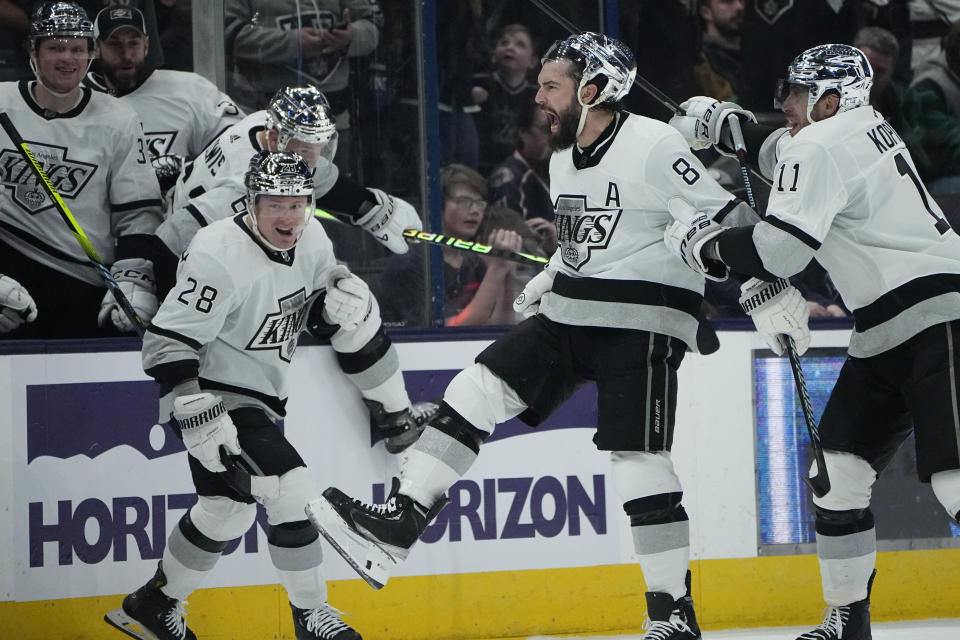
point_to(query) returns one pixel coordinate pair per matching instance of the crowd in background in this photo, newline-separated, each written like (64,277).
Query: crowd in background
(492,136)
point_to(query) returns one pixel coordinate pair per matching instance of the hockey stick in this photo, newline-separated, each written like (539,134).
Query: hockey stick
(71,222)
(413,236)
(820,483)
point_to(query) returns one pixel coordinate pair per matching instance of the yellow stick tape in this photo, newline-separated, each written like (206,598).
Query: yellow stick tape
(604,600)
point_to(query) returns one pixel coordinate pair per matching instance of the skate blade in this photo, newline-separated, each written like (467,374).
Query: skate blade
(373,564)
(119,619)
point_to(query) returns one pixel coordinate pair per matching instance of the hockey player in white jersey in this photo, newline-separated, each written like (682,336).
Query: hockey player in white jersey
(182,112)
(296,119)
(612,306)
(90,146)
(846,192)
(221,353)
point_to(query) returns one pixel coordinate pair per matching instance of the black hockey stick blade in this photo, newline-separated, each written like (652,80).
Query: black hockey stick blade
(820,483)
(71,222)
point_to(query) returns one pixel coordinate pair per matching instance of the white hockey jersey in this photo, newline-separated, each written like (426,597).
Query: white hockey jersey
(613,268)
(237,311)
(846,187)
(211,187)
(181,112)
(96,159)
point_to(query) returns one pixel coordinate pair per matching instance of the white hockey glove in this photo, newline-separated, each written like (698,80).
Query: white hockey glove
(135,277)
(388,219)
(686,241)
(528,302)
(205,425)
(16,305)
(348,299)
(705,123)
(778,311)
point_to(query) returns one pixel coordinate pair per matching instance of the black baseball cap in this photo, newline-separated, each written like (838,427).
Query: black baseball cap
(112,18)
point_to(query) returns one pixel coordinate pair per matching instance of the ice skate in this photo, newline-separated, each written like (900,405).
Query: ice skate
(848,622)
(322,623)
(373,539)
(149,614)
(670,619)
(401,428)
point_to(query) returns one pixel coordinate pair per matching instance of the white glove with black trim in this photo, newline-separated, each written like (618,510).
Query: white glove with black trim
(205,425)
(388,219)
(687,240)
(16,305)
(348,299)
(705,123)
(135,278)
(778,311)
(528,302)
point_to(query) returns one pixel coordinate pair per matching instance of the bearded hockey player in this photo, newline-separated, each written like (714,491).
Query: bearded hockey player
(612,306)
(846,193)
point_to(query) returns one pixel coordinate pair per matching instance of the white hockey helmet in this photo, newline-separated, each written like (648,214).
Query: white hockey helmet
(829,67)
(303,113)
(598,59)
(277,173)
(60,20)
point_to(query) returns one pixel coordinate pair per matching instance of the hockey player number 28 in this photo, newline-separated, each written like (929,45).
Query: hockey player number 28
(906,170)
(204,301)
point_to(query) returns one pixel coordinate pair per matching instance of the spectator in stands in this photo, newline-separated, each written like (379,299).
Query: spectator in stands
(94,142)
(722,21)
(522,181)
(14,27)
(937,89)
(292,43)
(929,22)
(477,290)
(181,111)
(501,92)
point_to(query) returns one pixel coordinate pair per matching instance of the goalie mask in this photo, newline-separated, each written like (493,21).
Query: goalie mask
(277,173)
(59,20)
(829,67)
(303,113)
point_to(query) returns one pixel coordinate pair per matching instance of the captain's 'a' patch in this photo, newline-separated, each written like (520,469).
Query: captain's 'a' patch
(281,329)
(582,230)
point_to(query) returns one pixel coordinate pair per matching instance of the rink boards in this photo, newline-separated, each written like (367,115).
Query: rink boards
(534,541)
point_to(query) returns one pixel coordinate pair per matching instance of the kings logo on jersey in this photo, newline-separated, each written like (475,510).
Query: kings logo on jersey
(581,230)
(159,143)
(280,330)
(68,176)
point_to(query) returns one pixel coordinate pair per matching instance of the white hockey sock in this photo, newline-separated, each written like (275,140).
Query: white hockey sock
(666,571)
(306,588)
(433,463)
(181,580)
(845,580)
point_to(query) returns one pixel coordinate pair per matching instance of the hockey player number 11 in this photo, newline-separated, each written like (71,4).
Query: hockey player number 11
(906,170)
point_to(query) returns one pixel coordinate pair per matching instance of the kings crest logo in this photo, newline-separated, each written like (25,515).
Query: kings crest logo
(280,330)
(581,231)
(67,175)
(771,10)
(159,143)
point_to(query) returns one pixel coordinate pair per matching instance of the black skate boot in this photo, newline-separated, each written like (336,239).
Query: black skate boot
(671,619)
(373,539)
(322,623)
(400,429)
(849,622)
(149,614)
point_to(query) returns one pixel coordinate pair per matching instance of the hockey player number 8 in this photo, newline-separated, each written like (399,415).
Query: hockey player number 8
(906,170)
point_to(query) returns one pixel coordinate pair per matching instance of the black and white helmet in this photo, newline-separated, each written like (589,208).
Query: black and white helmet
(60,20)
(302,113)
(829,67)
(599,59)
(277,173)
